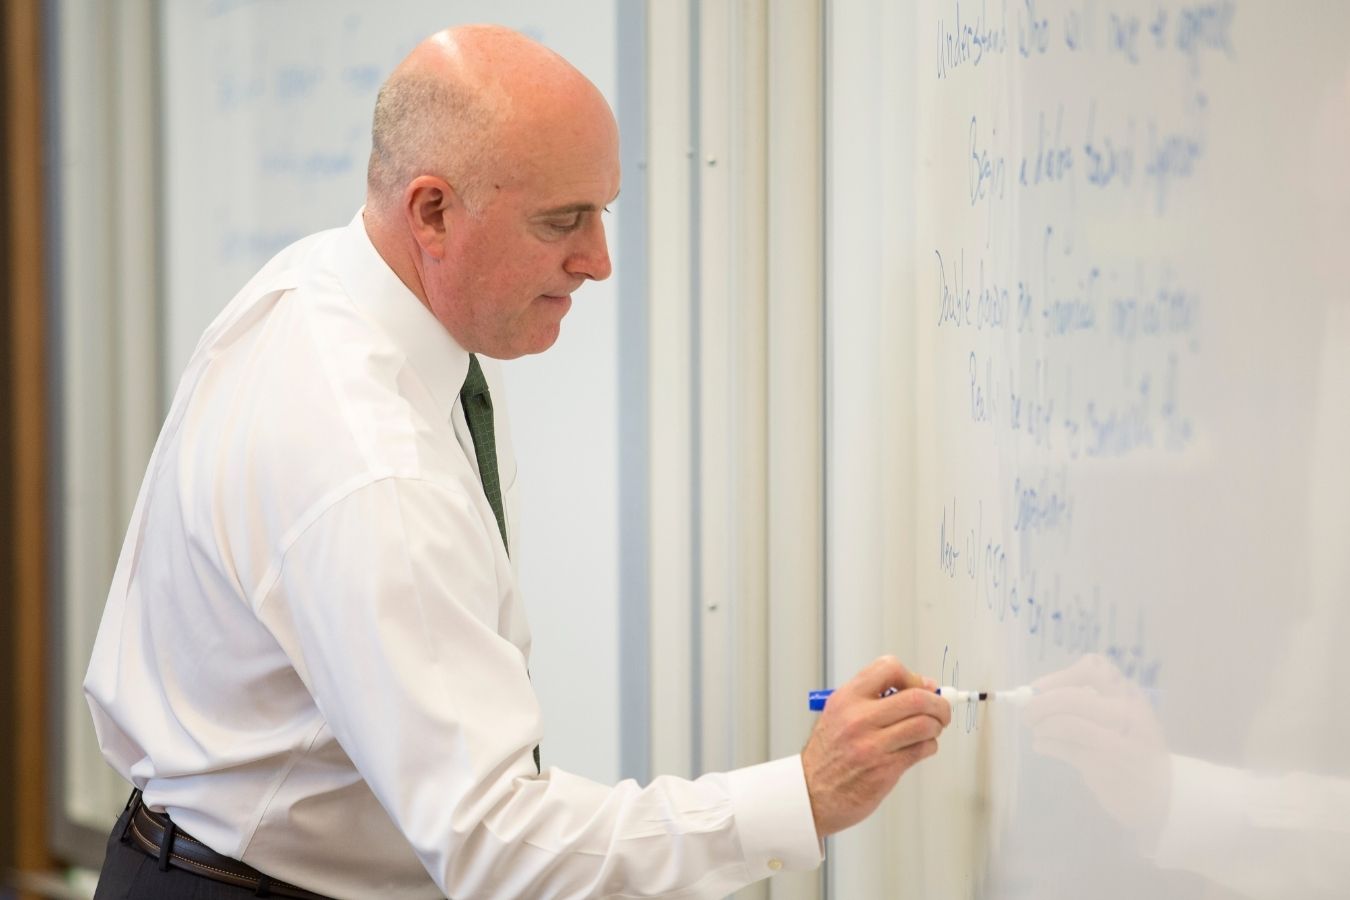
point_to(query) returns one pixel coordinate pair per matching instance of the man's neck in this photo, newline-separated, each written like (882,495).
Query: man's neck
(396,253)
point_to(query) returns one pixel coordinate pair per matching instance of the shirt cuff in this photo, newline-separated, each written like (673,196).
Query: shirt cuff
(773,817)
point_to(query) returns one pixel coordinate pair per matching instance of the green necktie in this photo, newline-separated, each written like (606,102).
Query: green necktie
(477,403)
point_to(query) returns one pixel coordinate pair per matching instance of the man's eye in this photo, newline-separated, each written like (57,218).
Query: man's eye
(563,225)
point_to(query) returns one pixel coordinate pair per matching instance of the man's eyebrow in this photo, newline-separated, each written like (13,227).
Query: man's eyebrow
(571,208)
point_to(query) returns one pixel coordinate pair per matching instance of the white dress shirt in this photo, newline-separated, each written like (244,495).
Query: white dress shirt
(314,650)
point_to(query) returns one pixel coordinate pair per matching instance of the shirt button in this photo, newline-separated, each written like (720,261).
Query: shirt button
(775,864)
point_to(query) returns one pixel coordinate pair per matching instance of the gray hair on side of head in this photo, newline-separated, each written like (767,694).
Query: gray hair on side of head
(429,126)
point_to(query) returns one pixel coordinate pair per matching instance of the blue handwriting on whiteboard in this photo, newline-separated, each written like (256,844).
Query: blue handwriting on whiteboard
(1043,506)
(967,43)
(1033,31)
(989,307)
(1052,616)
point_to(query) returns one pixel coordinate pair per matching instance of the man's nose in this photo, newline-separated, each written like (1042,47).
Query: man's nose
(591,260)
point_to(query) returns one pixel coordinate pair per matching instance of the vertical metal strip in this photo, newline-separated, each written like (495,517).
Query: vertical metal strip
(668,338)
(826,381)
(794,445)
(717,434)
(828,868)
(696,411)
(635,753)
(747,177)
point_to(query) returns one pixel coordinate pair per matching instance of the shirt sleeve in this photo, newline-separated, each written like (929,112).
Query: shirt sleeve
(388,604)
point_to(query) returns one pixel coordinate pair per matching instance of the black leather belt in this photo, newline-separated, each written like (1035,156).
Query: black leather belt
(153,834)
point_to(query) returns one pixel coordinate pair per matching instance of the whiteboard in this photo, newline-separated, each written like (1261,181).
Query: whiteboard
(265,132)
(1111,261)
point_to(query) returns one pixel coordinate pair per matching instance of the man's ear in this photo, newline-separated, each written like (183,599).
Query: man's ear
(427,204)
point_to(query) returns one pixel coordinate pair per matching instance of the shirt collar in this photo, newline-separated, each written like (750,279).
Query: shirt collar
(439,361)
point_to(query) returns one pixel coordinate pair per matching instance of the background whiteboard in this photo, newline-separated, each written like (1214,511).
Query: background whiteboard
(266,112)
(1091,255)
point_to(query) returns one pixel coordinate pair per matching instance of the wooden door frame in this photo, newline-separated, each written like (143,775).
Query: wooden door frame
(24,516)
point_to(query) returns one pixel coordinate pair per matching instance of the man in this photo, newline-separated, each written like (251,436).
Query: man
(313,658)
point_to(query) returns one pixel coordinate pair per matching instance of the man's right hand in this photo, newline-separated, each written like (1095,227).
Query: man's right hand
(863,742)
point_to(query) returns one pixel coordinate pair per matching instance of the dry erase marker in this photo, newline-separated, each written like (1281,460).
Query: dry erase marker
(1014,696)
(1017,696)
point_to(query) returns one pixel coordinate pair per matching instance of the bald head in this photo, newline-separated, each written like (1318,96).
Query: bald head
(460,107)
(493,163)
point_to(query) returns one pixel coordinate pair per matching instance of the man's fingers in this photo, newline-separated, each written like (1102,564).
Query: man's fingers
(916,753)
(864,741)
(912,702)
(881,674)
(911,731)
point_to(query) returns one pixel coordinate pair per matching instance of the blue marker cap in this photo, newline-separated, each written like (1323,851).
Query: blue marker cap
(816,699)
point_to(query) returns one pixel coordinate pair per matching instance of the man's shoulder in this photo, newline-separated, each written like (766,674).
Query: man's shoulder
(296,390)
(310,257)
(293,418)
(312,377)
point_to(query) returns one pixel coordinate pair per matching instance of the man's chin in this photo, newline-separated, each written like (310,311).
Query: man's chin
(537,342)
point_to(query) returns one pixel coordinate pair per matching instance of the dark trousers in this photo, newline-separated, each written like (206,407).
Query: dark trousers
(128,874)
